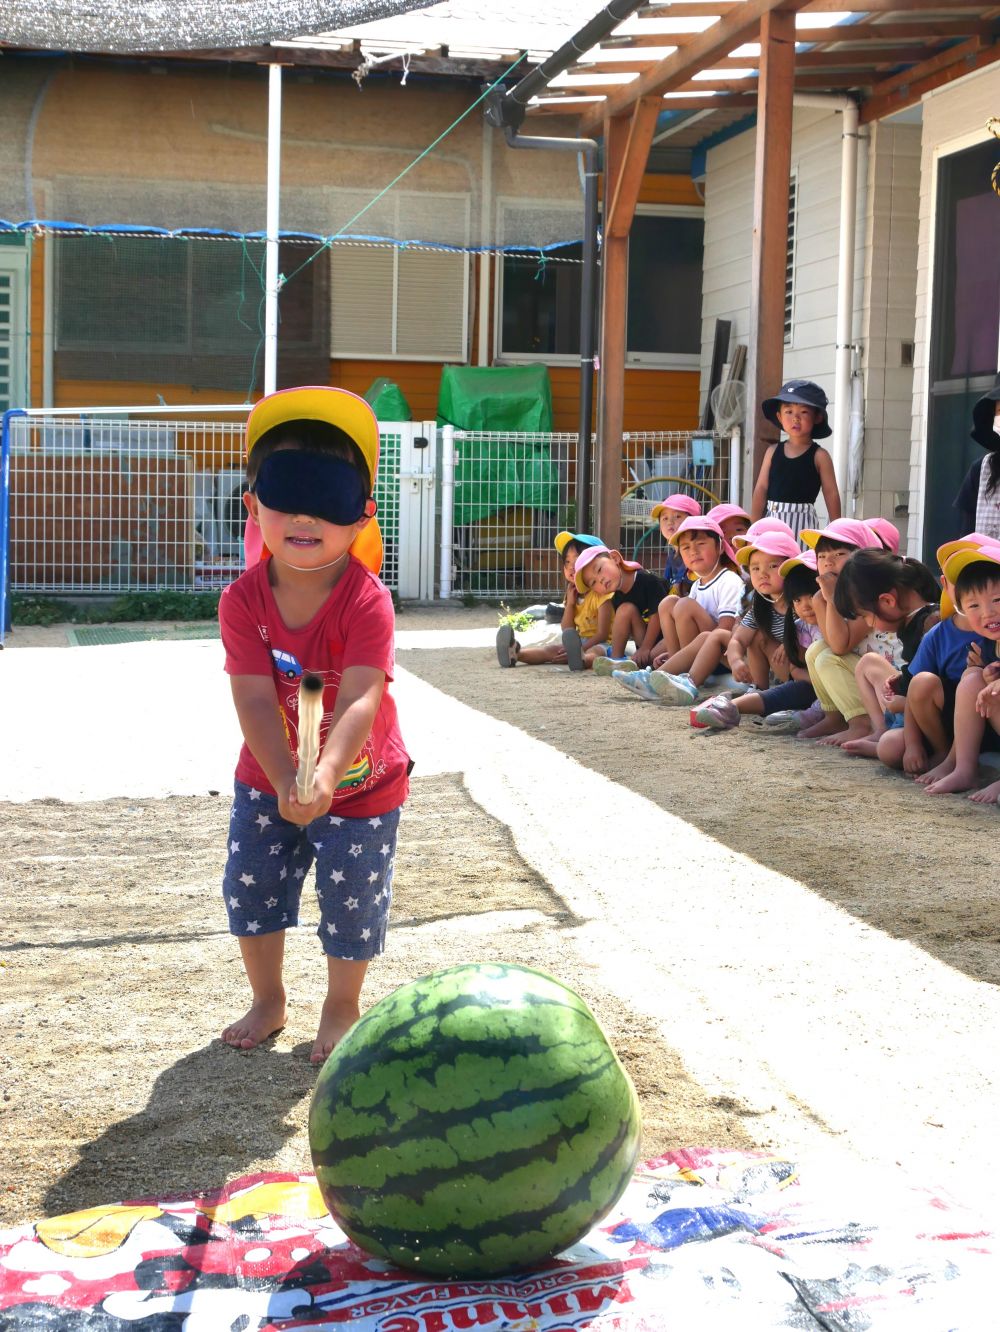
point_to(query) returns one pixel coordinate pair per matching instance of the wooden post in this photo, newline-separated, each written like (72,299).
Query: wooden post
(766,350)
(627,141)
(611,379)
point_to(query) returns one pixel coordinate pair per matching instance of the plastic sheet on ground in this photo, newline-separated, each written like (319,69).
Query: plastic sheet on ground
(701,1240)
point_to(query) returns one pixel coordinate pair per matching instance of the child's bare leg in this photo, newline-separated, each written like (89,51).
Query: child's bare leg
(709,654)
(665,614)
(344,980)
(924,712)
(750,705)
(969,728)
(263,957)
(683,659)
(552,655)
(690,620)
(832,724)
(626,624)
(760,668)
(871,673)
(891,747)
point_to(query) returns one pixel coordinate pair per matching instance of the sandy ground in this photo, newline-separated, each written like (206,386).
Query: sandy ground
(781,942)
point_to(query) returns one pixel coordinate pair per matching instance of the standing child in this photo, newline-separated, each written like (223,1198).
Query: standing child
(670,513)
(635,595)
(585,624)
(312,605)
(978,499)
(795,469)
(899,597)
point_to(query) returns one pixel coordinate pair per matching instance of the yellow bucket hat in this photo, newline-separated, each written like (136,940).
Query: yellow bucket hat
(337,407)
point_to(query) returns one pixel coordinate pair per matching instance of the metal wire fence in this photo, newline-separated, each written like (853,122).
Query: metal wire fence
(139,501)
(114,505)
(515,491)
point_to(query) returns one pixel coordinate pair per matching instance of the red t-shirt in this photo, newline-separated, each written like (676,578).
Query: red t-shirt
(354,627)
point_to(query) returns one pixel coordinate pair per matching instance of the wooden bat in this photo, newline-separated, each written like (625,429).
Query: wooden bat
(310,717)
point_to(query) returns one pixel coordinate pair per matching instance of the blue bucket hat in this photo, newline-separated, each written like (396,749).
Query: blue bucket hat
(807,394)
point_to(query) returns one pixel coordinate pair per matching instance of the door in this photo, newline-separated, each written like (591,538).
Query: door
(13,327)
(965,328)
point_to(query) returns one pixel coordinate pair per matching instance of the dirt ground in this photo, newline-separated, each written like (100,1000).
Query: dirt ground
(118,972)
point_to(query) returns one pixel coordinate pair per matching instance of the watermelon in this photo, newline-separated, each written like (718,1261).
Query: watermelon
(473,1123)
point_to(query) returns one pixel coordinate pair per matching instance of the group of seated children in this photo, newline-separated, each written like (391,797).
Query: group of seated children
(845,642)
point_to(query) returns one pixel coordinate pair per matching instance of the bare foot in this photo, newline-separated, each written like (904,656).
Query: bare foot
(262,1019)
(943,769)
(335,1021)
(866,747)
(989,795)
(857,729)
(832,723)
(959,779)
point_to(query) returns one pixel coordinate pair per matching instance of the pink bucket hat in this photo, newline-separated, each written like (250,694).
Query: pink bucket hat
(721,512)
(588,557)
(886,532)
(680,503)
(758,528)
(704,524)
(846,532)
(769,543)
(804,557)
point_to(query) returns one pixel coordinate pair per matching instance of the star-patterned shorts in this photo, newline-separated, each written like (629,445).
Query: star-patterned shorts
(270,857)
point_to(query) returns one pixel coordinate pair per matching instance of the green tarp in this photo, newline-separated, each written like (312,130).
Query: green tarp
(386,400)
(494,474)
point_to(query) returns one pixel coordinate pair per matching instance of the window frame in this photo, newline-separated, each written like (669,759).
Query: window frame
(396,247)
(633,360)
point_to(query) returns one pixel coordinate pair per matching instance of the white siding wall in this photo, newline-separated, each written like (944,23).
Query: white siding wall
(887,317)
(816,144)
(954,117)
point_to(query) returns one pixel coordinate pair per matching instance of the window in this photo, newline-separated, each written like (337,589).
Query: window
(135,308)
(396,300)
(793,191)
(540,296)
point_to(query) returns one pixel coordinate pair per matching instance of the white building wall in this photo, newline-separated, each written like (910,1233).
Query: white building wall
(816,146)
(954,117)
(887,318)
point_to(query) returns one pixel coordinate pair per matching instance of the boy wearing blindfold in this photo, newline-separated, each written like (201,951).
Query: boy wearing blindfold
(312,604)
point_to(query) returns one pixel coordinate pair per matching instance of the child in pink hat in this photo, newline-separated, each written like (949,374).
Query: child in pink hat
(833,658)
(790,706)
(758,528)
(887,533)
(696,628)
(756,650)
(733,520)
(670,513)
(635,593)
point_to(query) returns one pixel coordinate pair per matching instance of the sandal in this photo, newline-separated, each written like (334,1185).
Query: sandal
(574,649)
(505,646)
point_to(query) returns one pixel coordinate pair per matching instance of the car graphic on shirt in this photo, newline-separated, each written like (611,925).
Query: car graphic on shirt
(358,773)
(286,664)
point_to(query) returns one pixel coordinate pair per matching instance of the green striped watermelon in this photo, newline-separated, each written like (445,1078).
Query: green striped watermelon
(473,1123)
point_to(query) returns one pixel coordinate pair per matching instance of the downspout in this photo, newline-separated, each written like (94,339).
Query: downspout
(506,111)
(845,280)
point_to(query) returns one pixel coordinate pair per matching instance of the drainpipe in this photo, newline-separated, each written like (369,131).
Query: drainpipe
(845,279)
(506,111)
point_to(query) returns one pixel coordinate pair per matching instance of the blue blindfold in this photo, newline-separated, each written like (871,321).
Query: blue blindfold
(293,481)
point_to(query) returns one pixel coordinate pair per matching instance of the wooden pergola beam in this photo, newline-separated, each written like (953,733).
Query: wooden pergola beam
(642,123)
(882,103)
(738,26)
